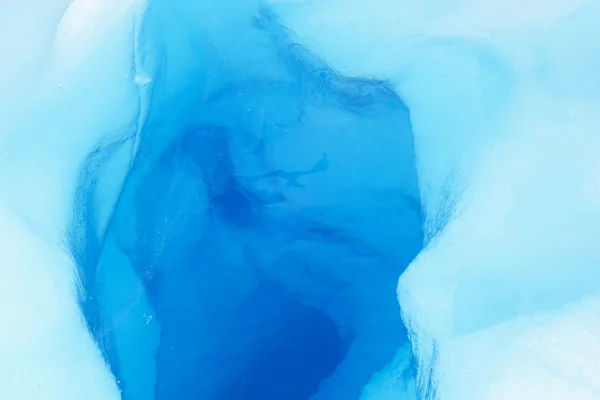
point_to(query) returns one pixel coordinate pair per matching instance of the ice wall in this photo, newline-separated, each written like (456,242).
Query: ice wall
(65,89)
(503,99)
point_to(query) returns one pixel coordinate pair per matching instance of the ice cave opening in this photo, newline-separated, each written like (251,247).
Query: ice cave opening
(224,200)
(254,249)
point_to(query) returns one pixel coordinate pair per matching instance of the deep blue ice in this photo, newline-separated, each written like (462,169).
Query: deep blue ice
(267,215)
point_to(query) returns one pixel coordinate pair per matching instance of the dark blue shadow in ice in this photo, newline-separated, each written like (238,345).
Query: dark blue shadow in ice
(254,248)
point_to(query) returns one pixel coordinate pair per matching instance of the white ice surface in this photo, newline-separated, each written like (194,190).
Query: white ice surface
(65,76)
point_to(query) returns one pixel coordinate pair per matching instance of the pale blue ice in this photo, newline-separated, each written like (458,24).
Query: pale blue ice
(299,200)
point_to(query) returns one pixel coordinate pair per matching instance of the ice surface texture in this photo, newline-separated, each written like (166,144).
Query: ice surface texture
(503,97)
(215,200)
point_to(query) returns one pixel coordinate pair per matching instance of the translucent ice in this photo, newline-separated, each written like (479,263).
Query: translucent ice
(216,199)
(211,196)
(250,221)
(503,99)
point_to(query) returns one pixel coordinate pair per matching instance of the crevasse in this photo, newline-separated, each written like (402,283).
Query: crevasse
(216,200)
(243,258)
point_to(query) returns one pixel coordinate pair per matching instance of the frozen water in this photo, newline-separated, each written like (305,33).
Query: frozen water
(252,218)
(504,107)
(216,199)
(203,199)
(56,104)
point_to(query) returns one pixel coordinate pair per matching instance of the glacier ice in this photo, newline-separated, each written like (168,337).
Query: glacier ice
(250,239)
(504,103)
(284,199)
(55,105)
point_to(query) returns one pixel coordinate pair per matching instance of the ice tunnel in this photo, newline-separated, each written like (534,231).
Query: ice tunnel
(299,200)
